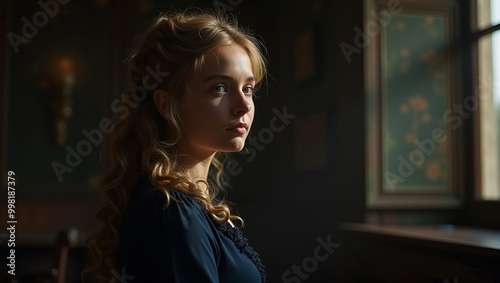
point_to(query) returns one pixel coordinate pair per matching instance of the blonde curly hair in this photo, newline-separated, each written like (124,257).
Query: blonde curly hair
(140,147)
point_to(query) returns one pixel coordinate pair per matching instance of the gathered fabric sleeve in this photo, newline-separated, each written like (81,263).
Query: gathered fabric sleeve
(174,243)
(192,241)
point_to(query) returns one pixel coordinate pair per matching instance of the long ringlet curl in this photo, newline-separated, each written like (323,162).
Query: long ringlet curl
(140,147)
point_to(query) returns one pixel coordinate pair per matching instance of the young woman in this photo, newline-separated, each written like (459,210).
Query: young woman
(194,76)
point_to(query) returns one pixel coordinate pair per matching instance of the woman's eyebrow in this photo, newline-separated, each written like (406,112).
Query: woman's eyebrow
(226,77)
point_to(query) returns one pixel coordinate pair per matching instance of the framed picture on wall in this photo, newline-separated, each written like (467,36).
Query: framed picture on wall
(304,55)
(411,89)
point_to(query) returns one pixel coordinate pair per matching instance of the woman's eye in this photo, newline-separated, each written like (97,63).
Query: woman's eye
(219,89)
(248,90)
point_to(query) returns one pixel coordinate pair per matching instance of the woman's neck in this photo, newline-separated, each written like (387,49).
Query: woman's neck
(196,167)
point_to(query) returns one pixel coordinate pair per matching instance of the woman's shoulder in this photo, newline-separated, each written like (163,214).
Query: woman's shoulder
(179,209)
(155,231)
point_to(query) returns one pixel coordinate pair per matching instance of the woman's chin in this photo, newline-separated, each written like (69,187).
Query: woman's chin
(237,147)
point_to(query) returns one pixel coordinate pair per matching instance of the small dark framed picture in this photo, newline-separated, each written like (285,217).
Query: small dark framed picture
(304,55)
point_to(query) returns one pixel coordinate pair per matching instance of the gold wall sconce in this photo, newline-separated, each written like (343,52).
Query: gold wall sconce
(63,82)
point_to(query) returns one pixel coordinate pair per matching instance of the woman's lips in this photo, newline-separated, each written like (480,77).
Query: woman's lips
(240,128)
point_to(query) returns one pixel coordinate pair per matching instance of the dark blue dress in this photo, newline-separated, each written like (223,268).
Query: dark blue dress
(182,243)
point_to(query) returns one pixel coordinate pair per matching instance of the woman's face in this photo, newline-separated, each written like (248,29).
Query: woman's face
(217,109)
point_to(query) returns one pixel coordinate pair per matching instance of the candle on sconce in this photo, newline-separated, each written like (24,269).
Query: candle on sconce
(62,104)
(66,69)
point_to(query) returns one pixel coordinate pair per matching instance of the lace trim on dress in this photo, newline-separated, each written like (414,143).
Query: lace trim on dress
(241,242)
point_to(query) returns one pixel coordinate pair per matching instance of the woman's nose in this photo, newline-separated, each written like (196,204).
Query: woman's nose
(241,104)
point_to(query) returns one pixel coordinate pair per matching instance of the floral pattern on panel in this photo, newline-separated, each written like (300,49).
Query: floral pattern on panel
(414,100)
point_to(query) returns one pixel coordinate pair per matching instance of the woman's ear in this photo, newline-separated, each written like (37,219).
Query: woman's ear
(160,98)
